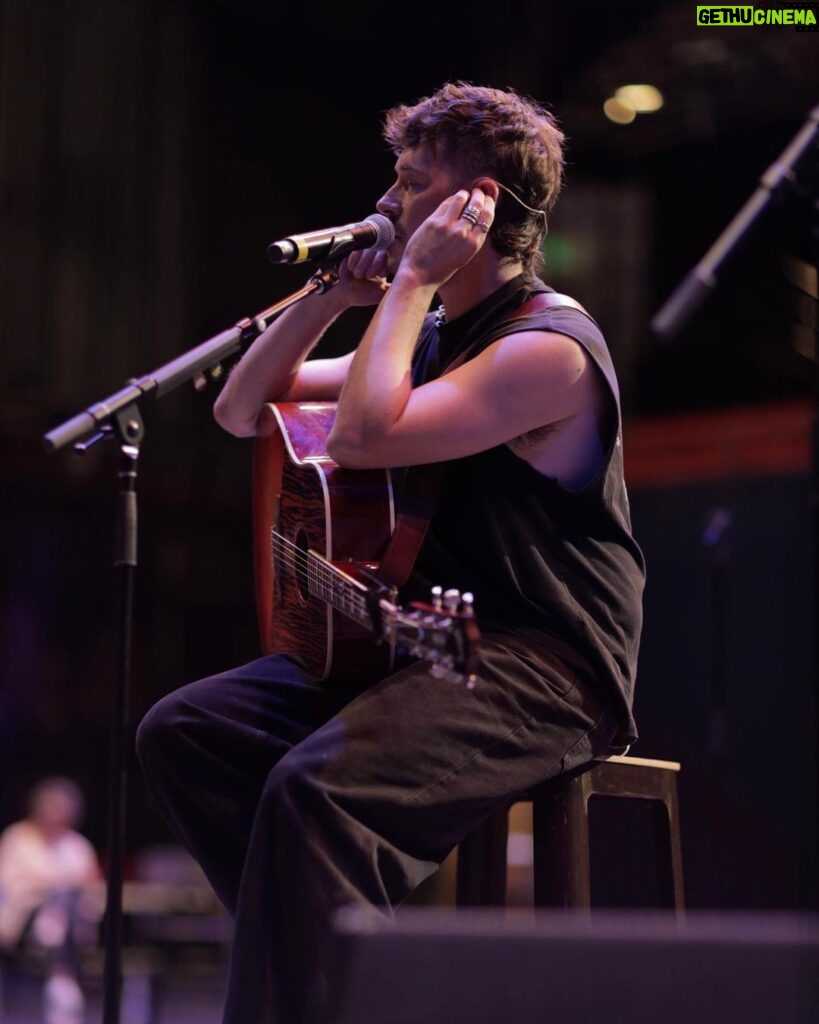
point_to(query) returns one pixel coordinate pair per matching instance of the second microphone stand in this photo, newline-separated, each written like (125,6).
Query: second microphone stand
(779,180)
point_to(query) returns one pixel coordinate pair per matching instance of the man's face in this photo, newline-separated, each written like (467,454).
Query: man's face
(421,184)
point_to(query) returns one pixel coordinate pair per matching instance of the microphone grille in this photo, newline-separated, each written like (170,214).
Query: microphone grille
(385,230)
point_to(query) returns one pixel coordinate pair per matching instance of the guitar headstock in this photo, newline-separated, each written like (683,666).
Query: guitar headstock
(443,632)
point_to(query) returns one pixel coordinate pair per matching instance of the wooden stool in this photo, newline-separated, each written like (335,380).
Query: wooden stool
(560,833)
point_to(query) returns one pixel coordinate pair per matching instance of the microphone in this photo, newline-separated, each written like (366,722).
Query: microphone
(376,232)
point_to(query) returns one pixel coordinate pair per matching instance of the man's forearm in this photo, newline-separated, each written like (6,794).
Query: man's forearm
(270,365)
(379,383)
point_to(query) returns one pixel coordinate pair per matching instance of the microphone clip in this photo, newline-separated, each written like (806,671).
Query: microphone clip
(324,278)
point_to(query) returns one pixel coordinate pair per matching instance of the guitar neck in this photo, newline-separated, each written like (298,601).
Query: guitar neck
(444,637)
(347,595)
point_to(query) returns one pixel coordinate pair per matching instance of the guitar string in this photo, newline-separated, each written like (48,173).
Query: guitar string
(301,568)
(302,571)
(326,584)
(329,576)
(280,546)
(280,542)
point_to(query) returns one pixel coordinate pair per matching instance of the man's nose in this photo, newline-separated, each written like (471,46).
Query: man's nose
(389,206)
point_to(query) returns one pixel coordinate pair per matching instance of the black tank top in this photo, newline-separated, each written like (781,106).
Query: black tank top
(559,569)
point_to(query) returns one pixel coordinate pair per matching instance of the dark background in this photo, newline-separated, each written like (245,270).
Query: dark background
(150,151)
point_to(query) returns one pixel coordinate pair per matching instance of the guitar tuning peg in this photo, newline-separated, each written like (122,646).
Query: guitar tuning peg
(449,675)
(452,601)
(437,602)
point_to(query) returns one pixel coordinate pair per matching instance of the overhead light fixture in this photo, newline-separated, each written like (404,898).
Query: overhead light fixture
(643,99)
(618,112)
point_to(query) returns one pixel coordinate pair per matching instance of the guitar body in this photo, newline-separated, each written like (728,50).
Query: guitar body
(303,501)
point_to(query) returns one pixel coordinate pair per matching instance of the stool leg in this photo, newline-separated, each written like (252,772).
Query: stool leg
(668,850)
(560,832)
(481,869)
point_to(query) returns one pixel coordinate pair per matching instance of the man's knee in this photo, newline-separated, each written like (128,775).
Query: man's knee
(297,783)
(156,732)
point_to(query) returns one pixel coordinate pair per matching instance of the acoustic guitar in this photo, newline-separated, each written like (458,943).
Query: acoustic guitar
(319,532)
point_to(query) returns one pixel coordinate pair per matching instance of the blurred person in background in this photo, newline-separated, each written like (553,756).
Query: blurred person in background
(50,878)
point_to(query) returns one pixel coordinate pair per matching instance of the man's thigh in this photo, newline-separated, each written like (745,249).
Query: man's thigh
(421,761)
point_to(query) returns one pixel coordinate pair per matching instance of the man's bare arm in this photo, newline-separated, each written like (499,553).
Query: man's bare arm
(276,368)
(520,383)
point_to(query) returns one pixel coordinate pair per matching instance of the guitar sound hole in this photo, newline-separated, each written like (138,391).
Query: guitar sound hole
(300,564)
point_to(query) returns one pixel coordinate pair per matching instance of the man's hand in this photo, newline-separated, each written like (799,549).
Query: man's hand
(448,240)
(361,277)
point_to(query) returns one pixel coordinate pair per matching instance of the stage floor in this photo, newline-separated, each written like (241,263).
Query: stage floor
(169,999)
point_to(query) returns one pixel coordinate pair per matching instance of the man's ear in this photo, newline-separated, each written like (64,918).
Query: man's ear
(488,186)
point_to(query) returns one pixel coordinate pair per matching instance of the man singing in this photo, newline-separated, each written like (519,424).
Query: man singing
(298,796)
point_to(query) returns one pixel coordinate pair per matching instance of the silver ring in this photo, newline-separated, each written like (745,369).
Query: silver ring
(471,213)
(484,225)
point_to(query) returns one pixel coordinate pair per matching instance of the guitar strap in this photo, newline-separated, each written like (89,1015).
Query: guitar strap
(536,304)
(421,483)
(419,494)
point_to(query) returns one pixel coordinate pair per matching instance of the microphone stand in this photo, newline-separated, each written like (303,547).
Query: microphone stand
(119,416)
(690,295)
(697,285)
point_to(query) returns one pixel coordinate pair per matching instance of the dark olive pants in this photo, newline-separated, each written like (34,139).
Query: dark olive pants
(298,797)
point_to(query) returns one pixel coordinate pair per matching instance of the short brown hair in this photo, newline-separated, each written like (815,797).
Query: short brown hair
(499,133)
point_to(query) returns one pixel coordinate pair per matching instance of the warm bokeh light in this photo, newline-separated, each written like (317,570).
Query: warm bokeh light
(618,112)
(643,99)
